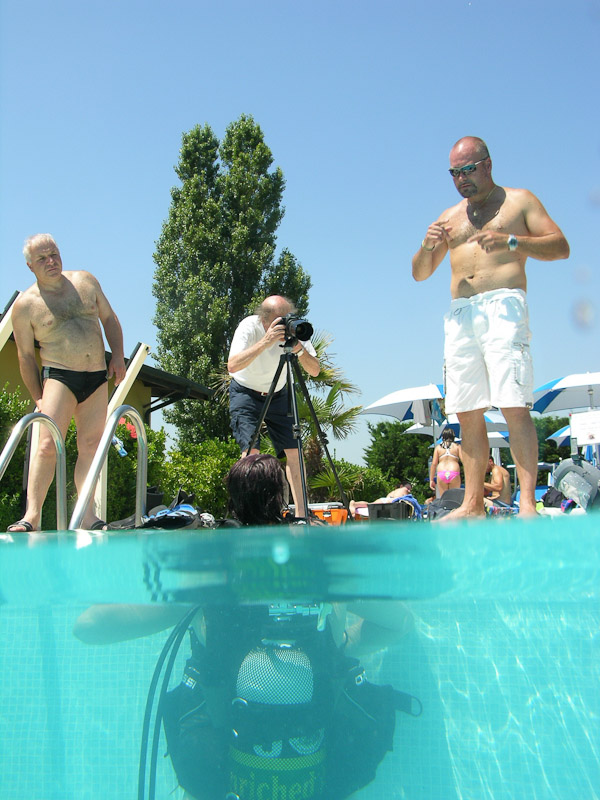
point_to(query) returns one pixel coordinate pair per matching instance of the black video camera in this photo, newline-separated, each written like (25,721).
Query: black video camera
(296,327)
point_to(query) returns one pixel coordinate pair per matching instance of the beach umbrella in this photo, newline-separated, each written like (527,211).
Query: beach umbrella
(494,421)
(419,403)
(498,439)
(427,430)
(562,437)
(577,391)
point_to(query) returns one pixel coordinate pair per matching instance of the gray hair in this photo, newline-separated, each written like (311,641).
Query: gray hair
(37,238)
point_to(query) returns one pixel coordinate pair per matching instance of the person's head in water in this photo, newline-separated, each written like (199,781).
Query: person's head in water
(448,436)
(257,487)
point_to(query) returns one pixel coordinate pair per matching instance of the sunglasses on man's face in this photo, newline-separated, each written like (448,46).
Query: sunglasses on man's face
(467,169)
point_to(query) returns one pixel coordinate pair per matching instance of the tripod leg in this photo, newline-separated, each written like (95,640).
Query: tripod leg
(320,434)
(296,471)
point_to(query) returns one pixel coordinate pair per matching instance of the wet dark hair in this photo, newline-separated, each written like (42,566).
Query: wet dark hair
(256,487)
(448,433)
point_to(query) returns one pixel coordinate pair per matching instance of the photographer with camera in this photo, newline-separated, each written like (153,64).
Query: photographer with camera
(253,361)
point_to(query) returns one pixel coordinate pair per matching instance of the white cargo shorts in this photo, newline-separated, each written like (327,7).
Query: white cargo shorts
(487,359)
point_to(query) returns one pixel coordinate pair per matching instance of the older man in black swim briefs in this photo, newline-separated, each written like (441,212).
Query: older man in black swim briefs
(63,312)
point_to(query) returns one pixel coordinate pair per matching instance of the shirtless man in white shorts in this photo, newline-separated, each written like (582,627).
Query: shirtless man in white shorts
(489,234)
(63,311)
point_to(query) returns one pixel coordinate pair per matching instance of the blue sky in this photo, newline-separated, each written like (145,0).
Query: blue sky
(359,102)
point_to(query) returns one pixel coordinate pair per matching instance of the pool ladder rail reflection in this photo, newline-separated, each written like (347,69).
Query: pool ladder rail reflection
(95,468)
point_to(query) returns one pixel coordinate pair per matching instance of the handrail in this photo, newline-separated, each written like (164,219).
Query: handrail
(118,398)
(85,495)
(61,460)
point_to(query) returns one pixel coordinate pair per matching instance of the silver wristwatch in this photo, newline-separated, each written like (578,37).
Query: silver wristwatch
(512,242)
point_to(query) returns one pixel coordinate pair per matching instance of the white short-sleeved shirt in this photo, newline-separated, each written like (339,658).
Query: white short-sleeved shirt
(260,373)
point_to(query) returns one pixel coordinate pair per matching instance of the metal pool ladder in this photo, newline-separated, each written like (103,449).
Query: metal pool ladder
(61,463)
(102,454)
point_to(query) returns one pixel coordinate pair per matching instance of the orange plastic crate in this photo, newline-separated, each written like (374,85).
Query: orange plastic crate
(335,516)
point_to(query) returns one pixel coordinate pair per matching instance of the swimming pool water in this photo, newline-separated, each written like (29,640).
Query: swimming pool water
(504,654)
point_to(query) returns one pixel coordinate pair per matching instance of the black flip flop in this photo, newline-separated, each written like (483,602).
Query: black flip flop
(23,524)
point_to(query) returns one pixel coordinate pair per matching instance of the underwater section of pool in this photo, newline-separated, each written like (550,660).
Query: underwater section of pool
(504,652)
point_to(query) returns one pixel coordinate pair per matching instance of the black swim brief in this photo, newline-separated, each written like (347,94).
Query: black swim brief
(82,384)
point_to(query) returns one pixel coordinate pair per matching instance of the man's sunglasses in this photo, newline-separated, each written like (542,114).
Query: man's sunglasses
(466,170)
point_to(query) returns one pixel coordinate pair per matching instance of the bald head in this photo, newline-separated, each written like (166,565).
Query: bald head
(470,147)
(273,307)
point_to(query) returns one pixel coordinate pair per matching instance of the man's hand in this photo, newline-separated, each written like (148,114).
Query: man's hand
(490,241)
(275,332)
(437,232)
(432,251)
(117,369)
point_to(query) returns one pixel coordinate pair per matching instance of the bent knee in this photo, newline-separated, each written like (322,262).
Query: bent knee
(46,449)
(88,443)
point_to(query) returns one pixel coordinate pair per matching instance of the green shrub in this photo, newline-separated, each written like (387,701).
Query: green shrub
(121,475)
(122,470)
(200,469)
(373,484)
(358,483)
(12,504)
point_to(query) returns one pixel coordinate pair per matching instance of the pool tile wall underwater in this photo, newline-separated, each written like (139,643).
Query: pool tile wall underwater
(505,659)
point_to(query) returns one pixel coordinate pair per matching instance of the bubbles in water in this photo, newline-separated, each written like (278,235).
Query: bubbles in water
(583,314)
(281,552)
(595,197)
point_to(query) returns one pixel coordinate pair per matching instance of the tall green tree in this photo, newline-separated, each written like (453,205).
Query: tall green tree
(548,451)
(215,260)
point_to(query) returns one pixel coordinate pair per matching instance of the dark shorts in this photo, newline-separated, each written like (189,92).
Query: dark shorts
(246,405)
(82,384)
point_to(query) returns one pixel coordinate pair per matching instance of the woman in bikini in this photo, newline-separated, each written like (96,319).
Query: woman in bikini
(445,464)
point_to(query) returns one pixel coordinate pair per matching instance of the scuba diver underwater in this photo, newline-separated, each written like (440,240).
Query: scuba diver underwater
(273,703)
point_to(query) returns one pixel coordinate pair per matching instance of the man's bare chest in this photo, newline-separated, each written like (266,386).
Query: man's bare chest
(467,222)
(74,308)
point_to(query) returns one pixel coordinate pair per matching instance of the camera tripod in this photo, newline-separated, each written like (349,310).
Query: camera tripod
(289,360)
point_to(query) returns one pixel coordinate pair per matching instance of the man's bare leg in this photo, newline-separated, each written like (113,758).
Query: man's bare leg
(292,471)
(524,449)
(58,402)
(90,420)
(475,454)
